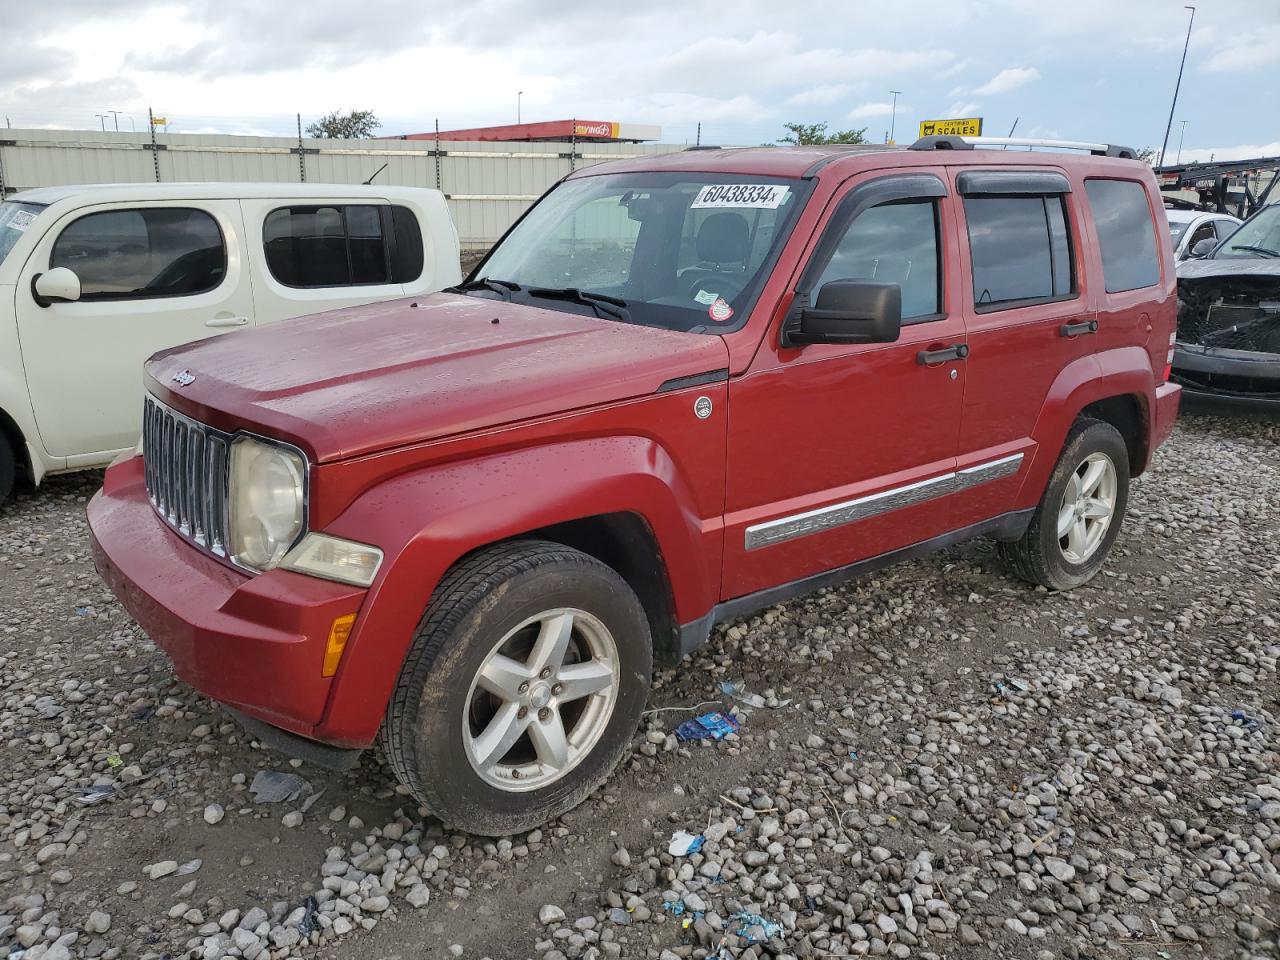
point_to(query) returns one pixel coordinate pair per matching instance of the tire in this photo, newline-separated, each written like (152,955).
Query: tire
(8,469)
(1040,556)
(515,599)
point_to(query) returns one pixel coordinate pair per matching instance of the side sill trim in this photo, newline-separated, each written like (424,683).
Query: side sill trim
(692,635)
(838,514)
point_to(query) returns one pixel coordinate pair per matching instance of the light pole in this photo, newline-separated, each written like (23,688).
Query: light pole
(102,119)
(1182,133)
(519,94)
(115,115)
(893,113)
(1177,86)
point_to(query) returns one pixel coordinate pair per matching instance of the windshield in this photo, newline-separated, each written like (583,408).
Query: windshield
(1177,228)
(1259,236)
(14,219)
(683,251)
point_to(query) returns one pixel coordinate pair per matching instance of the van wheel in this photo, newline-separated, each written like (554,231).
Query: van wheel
(8,469)
(1080,514)
(522,689)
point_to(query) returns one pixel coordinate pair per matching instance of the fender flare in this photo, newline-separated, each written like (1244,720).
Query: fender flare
(426,520)
(1123,371)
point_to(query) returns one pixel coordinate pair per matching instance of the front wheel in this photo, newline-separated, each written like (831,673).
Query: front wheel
(1080,514)
(524,685)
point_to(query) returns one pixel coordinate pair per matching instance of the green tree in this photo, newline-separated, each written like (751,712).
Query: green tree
(1148,155)
(351,125)
(806,133)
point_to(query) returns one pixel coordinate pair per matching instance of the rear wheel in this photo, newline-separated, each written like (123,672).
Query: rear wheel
(1080,514)
(524,685)
(8,469)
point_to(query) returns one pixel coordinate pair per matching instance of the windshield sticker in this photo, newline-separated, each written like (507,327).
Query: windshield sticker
(21,220)
(758,196)
(706,298)
(720,311)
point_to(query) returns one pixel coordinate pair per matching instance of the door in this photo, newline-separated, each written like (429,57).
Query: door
(1029,314)
(839,453)
(312,255)
(152,276)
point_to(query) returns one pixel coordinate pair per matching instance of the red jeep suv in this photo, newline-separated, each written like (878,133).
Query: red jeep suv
(680,389)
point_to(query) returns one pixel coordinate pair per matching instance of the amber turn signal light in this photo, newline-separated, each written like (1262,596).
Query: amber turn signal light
(338,634)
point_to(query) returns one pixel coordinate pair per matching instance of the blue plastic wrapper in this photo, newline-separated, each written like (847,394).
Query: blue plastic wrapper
(709,726)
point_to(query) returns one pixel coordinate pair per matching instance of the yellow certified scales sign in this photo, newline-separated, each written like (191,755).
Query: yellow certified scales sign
(963,127)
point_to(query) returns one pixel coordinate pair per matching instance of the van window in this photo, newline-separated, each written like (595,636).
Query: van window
(331,245)
(1021,249)
(142,253)
(894,243)
(1126,234)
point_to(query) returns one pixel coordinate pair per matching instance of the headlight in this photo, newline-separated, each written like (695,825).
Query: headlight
(268,502)
(329,558)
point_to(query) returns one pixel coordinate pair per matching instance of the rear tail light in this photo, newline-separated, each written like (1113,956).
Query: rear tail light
(1168,359)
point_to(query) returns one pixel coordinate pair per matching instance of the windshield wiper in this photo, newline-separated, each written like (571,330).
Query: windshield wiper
(603,304)
(503,287)
(1263,250)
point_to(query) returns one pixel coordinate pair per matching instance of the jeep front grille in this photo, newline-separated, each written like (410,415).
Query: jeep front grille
(186,474)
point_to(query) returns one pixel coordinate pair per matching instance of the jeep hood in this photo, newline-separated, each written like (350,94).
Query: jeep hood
(362,379)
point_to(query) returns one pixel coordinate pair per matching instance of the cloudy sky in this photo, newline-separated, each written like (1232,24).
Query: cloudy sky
(1082,69)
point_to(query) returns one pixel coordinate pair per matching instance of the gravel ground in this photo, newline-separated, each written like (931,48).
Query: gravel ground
(938,762)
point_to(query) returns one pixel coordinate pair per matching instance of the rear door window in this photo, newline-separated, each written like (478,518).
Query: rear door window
(342,245)
(1020,248)
(143,253)
(1126,234)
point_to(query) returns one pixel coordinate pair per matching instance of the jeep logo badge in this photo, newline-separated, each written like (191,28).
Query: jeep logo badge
(184,378)
(702,408)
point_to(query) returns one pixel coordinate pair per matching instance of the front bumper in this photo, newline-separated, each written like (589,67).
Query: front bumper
(255,643)
(1242,376)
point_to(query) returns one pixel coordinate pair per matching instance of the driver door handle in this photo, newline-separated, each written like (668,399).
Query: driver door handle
(1071,330)
(957,351)
(227,322)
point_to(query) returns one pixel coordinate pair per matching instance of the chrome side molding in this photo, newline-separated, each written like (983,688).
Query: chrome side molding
(850,511)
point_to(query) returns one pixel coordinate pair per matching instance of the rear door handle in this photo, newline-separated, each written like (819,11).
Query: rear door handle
(227,322)
(957,351)
(1078,329)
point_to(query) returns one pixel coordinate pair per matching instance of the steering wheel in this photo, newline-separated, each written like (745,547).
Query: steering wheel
(716,283)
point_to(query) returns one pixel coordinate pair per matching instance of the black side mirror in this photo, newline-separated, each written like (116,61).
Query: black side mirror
(849,311)
(1202,248)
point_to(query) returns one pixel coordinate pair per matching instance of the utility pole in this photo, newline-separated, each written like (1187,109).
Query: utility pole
(519,94)
(115,115)
(698,142)
(1182,133)
(1177,86)
(893,114)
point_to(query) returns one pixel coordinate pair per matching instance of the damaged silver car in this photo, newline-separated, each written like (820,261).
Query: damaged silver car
(1228,344)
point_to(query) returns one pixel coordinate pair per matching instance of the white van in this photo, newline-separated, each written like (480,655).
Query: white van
(95,279)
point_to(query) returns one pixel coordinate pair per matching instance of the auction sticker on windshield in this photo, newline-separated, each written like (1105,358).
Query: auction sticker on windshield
(757,196)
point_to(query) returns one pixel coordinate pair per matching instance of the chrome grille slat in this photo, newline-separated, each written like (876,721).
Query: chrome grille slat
(185,470)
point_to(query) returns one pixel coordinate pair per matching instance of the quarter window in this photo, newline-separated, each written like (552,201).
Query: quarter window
(894,243)
(1020,248)
(143,253)
(331,245)
(1126,234)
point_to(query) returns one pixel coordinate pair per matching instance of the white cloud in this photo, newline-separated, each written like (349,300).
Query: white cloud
(962,108)
(1008,80)
(869,110)
(1245,151)
(1254,49)
(818,96)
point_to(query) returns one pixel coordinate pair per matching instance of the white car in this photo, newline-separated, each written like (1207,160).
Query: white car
(95,279)
(1189,227)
